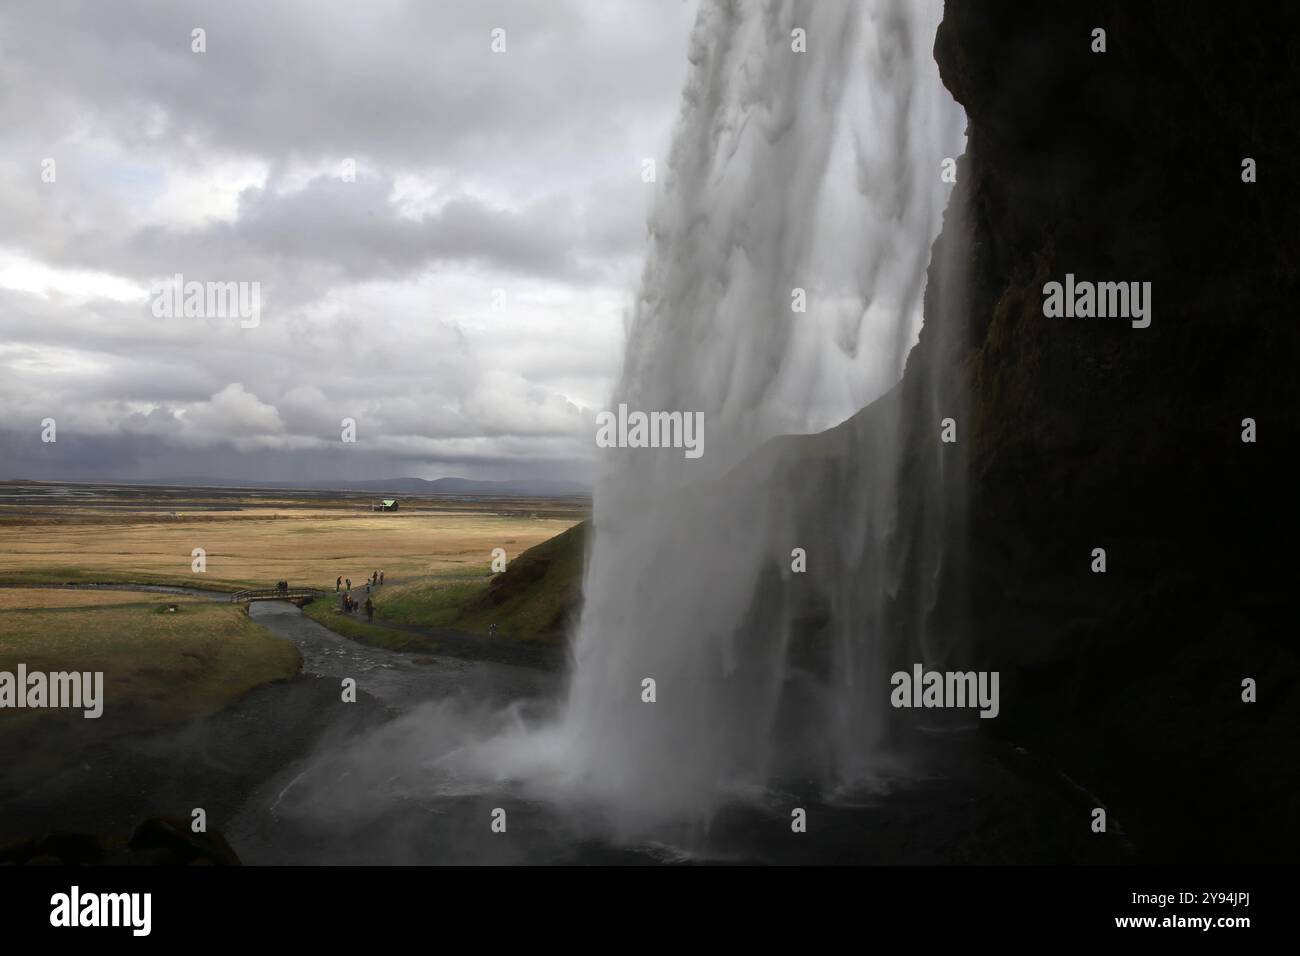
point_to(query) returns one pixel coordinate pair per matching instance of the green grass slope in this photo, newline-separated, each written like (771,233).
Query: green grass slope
(539,595)
(537,598)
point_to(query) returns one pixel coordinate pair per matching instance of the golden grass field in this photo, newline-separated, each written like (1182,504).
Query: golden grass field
(254,548)
(161,667)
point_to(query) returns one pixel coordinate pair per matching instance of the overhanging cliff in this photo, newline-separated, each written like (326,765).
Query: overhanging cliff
(1084,433)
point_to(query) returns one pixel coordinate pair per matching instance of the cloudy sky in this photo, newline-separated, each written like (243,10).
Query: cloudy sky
(463,297)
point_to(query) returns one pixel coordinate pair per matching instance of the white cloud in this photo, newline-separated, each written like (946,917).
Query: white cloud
(20,273)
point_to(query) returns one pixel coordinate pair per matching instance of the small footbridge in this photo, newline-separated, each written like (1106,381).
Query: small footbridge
(275,594)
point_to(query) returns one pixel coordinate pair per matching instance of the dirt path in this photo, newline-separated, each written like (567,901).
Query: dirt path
(150,588)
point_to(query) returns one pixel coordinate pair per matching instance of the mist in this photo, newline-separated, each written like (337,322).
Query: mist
(792,179)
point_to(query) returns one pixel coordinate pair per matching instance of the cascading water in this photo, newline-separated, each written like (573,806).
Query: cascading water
(817,171)
(813,174)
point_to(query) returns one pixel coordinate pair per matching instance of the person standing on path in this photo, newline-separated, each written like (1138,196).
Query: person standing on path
(338,583)
(370,611)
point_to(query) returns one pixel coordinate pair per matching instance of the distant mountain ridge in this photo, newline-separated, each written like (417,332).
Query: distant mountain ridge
(530,488)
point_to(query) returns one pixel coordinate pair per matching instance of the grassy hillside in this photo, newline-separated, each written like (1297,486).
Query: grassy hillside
(159,665)
(536,598)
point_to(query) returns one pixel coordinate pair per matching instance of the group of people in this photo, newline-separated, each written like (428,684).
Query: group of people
(345,584)
(348,604)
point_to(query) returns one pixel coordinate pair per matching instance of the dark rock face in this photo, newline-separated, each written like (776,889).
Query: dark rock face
(171,842)
(158,841)
(1085,433)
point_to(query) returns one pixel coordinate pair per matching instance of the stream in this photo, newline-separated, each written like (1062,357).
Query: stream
(293,774)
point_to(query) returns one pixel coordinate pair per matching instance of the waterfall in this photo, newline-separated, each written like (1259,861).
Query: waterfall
(817,171)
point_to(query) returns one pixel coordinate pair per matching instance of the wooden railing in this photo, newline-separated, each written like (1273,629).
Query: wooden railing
(274,594)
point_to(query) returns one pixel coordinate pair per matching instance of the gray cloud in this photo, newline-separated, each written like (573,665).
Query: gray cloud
(464,298)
